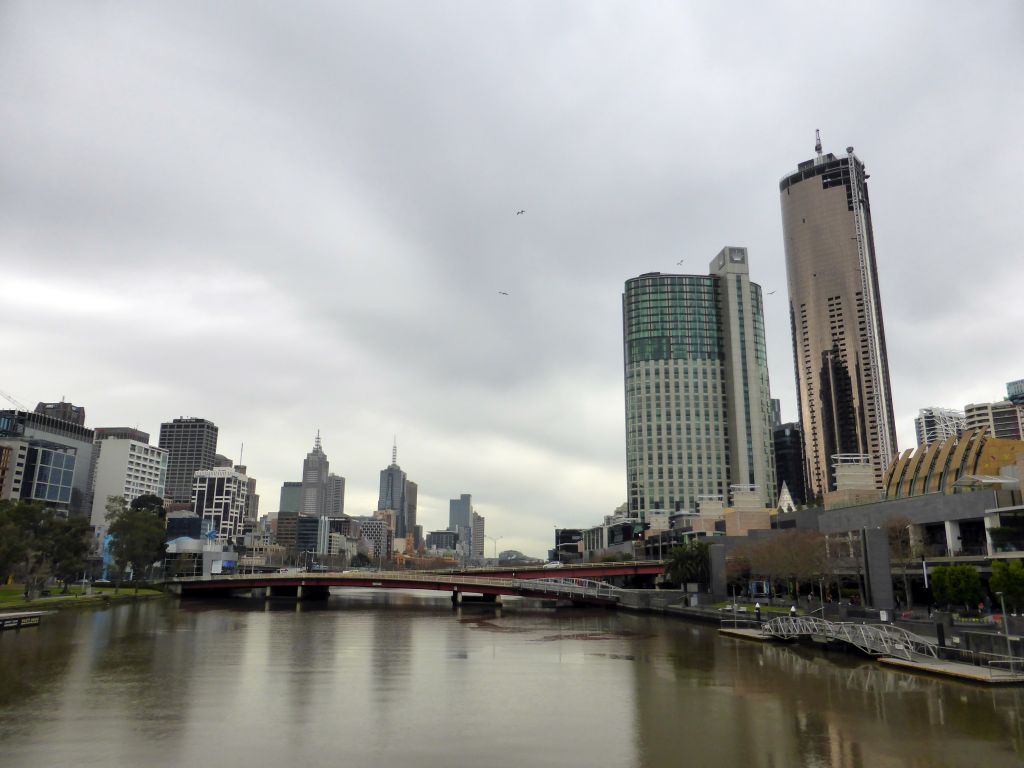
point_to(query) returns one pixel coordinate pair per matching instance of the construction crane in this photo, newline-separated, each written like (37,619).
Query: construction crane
(12,401)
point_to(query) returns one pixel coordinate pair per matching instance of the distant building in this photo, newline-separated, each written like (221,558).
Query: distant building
(287,529)
(1002,419)
(936,424)
(121,433)
(39,470)
(397,493)
(219,497)
(460,512)
(789,460)
(1015,392)
(776,412)
(442,540)
(315,469)
(126,468)
(75,414)
(477,540)
(335,502)
(291,497)
(191,446)
(43,432)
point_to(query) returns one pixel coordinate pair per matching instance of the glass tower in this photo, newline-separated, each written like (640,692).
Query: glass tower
(698,403)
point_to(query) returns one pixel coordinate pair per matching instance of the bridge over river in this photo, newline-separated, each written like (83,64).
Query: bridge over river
(578,584)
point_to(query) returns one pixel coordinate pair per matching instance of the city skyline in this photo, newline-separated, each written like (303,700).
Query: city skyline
(191,175)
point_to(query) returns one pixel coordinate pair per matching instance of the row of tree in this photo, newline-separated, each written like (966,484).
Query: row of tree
(38,544)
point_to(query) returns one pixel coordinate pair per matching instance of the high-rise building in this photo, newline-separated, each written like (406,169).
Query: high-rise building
(789,461)
(776,412)
(835,311)
(219,497)
(191,446)
(315,470)
(476,548)
(1002,419)
(69,412)
(936,424)
(126,468)
(698,406)
(395,492)
(460,512)
(335,503)
(1015,391)
(49,444)
(291,497)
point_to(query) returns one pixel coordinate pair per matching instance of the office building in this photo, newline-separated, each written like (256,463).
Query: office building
(698,405)
(477,534)
(836,316)
(315,469)
(1015,392)
(39,432)
(933,425)
(191,446)
(120,433)
(460,512)
(126,468)
(399,494)
(335,504)
(789,461)
(291,497)
(219,497)
(1003,419)
(74,414)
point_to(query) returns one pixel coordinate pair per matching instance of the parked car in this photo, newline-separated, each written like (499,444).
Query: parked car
(553,564)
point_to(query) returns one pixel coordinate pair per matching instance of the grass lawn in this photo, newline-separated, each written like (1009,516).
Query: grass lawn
(12,597)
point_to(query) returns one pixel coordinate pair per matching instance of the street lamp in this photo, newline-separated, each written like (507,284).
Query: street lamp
(495,540)
(1006,630)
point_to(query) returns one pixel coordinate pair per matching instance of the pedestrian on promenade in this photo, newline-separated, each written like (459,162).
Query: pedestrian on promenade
(792,611)
(757,610)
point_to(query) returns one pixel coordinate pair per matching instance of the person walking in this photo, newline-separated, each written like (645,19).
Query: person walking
(792,611)
(757,610)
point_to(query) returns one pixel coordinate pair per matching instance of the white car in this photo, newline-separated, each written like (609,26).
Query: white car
(553,564)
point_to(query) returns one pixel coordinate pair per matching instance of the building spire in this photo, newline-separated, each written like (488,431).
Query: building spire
(316,443)
(394,450)
(817,141)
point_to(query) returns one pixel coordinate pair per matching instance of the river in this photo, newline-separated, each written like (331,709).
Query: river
(399,679)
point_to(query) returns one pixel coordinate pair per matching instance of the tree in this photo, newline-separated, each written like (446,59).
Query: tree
(151,503)
(898,529)
(689,562)
(1008,578)
(139,538)
(14,540)
(791,555)
(66,544)
(956,584)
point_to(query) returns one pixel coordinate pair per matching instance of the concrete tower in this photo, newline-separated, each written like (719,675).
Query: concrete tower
(842,372)
(315,469)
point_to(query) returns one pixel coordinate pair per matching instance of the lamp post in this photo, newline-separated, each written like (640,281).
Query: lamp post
(1006,630)
(495,540)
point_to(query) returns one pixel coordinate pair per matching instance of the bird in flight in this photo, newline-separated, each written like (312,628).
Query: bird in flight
(520,213)
(680,262)
(770,292)
(503,293)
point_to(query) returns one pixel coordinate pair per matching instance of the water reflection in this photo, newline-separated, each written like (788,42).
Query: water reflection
(381,680)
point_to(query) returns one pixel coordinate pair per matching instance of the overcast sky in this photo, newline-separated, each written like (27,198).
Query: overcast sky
(286,217)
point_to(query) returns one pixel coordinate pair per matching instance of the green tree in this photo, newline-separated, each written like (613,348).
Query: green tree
(1008,578)
(151,503)
(66,545)
(956,585)
(139,538)
(14,540)
(689,562)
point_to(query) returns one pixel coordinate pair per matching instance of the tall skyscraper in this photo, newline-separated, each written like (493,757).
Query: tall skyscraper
(936,424)
(395,495)
(291,497)
(835,312)
(698,405)
(460,512)
(789,461)
(191,446)
(315,469)
(335,504)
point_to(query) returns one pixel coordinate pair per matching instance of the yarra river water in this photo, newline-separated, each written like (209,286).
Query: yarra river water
(398,679)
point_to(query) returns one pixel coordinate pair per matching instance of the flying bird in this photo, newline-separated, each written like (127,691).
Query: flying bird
(503,293)
(770,292)
(680,262)
(520,213)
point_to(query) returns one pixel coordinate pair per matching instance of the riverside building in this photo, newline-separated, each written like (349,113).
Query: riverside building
(698,404)
(842,370)
(191,446)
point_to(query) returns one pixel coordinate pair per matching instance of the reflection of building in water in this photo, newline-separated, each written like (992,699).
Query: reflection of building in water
(736,702)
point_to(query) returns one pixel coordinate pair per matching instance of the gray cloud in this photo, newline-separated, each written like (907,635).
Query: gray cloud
(285,219)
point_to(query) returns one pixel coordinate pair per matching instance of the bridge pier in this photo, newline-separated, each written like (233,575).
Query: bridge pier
(459,598)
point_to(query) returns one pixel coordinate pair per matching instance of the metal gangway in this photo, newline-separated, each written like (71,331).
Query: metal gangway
(872,639)
(569,588)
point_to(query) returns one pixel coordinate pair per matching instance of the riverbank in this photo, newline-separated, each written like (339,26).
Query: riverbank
(12,598)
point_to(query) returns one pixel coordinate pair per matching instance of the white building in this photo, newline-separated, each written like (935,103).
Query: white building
(126,468)
(933,425)
(219,497)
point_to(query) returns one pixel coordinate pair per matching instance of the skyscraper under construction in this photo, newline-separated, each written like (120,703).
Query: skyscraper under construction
(842,371)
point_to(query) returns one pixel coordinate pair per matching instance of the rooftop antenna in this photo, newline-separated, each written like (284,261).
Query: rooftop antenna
(241,451)
(316,443)
(817,141)
(394,450)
